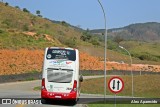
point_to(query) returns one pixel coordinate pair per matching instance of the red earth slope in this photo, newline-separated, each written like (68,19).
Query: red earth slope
(24,60)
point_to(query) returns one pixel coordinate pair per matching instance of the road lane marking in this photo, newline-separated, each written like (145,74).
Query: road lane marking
(20,105)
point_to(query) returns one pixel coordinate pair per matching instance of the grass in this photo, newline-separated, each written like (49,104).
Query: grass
(143,50)
(19,40)
(30,79)
(123,105)
(115,56)
(144,86)
(37,88)
(151,48)
(15,22)
(18,21)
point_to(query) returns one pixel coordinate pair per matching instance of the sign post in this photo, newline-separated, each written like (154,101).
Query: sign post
(115,85)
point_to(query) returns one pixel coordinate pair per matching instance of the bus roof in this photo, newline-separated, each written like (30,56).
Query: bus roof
(61,48)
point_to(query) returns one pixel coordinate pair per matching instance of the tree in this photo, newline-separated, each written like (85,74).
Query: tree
(17,7)
(6,4)
(64,23)
(111,44)
(25,10)
(86,36)
(94,41)
(38,12)
(118,39)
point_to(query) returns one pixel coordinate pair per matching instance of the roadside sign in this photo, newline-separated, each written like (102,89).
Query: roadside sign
(116,84)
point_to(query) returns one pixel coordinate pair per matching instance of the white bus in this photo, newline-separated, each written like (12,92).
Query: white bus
(60,77)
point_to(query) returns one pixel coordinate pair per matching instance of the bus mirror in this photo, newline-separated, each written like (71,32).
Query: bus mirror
(81,78)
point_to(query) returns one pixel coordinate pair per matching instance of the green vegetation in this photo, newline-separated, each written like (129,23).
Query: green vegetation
(37,88)
(30,79)
(144,86)
(19,40)
(118,39)
(142,40)
(123,105)
(16,22)
(88,37)
(34,71)
(38,12)
(25,10)
(148,32)
(143,50)
(118,56)
(6,4)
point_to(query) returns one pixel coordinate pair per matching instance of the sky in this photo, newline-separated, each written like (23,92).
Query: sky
(88,14)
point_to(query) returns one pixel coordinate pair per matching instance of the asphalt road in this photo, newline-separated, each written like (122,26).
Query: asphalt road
(25,90)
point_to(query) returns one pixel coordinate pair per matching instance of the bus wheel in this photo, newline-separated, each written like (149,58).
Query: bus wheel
(74,101)
(44,101)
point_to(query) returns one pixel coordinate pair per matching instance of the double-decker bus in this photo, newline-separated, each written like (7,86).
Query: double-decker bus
(60,76)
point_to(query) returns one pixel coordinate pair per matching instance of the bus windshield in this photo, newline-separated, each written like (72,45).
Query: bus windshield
(61,54)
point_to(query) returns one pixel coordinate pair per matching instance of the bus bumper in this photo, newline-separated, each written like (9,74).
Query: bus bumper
(54,95)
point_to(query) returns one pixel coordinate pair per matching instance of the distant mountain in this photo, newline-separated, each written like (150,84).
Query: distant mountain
(97,31)
(60,22)
(141,31)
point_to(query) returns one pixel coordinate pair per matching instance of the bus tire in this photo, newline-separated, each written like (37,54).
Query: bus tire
(44,101)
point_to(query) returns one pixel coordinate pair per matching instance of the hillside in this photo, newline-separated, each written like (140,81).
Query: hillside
(146,32)
(23,37)
(141,39)
(16,24)
(24,61)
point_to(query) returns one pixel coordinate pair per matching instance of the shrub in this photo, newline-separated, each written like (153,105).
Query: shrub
(64,23)
(38,12)
(94,41)
(40,15)
(112,45)
(6,22)
(146,56)
(25,27)
(17,7)
(61,33)
(25,10)
(6,4)
(118,39)
(86,36)
(1,31)
(72,42)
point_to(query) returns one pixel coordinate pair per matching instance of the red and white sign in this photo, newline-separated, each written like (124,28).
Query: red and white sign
(116,84)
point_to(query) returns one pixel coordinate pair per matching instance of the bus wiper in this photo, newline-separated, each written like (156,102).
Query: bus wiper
(67,69)
(52,69)
(59,69)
